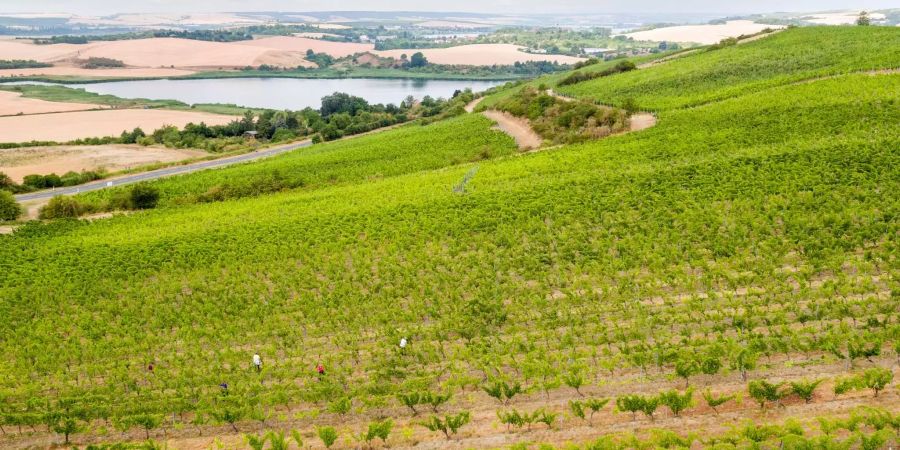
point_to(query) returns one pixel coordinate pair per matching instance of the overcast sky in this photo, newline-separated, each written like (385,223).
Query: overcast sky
(104,7)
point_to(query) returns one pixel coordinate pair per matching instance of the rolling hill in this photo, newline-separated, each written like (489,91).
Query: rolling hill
(745,245)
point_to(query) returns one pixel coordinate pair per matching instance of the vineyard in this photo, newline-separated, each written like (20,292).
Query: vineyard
(411,148)
(725,279)
(798,55)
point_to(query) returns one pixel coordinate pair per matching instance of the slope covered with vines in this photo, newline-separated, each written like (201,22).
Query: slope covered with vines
(739,242)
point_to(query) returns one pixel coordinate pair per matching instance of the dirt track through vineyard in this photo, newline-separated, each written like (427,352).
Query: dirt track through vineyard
(518,128)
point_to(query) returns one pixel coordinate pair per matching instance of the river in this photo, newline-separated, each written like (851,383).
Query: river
(282,93)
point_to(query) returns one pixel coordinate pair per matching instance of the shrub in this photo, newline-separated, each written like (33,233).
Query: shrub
(561,121)
(340,406)
(61,207)
(634,403)
(502,391)
(328,435)
(876,379)
(449,425)
(410,400)
(9,208)
(578,77)
(805,389)
(677,402)
(97,63)
(594,404)
(714,401)
(435,400)
(143,196)
(379,430)
(763,391)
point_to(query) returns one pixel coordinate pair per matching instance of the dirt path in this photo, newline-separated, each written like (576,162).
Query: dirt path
(518,128)
(641,121)
(471,106)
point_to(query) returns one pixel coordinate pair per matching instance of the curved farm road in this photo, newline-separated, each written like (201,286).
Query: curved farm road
(519,129)
(470,107)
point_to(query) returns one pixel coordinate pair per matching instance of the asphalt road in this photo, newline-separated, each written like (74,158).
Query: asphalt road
(161,173)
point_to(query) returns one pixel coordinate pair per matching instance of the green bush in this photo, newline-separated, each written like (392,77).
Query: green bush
(144,196)
(578,77)
(9,208)
(328,435)
(61,207)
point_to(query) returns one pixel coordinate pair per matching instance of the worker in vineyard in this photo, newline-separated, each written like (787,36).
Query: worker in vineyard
(257,361)
(320,369)
(150,367)
(224,387)
(402,343)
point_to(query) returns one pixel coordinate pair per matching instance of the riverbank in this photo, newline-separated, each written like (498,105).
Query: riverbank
(390,74)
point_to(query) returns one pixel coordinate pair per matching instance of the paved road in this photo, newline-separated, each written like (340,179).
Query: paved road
(160,173)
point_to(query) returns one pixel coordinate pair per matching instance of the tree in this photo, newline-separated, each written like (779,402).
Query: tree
(744,361)
(229,413)
(9,208)
(863,20)
(418,60)
(144,196)
(685,367)
(328,435)
(147,422)
(6,183)
(67,425)
(340,102)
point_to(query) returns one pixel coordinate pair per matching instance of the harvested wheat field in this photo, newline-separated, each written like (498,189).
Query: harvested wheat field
(302,44)
(175,52)
(12,103)
(11,49)
(74,71)
(19,162)
(702,34)
(481,55)
(63,127)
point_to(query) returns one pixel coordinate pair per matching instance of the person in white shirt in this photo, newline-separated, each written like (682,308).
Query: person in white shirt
(257,361)
(403,342)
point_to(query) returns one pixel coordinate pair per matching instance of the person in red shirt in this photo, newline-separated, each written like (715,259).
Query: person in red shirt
(320,369)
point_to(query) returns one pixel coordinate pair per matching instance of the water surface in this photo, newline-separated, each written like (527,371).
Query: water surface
(282,93)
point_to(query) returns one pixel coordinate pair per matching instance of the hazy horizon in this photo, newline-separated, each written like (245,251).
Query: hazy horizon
(109,7)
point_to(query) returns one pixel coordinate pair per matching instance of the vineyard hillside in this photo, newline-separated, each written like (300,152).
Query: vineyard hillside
(725,279)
